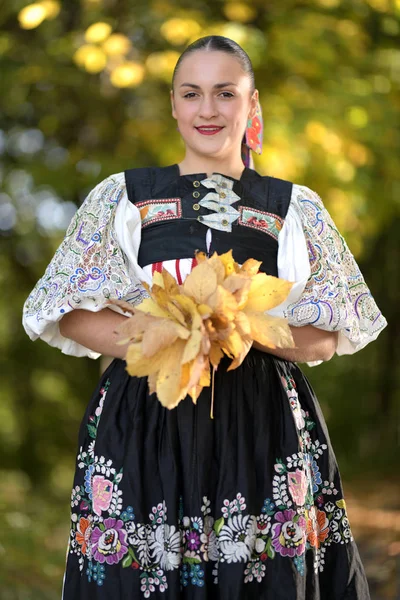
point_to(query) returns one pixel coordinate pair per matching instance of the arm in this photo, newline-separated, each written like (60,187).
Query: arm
(312,344)
(94,330)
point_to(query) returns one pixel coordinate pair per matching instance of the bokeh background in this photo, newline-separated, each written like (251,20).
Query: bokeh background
(84,93)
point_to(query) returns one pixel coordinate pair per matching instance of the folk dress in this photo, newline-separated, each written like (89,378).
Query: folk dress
(171,504)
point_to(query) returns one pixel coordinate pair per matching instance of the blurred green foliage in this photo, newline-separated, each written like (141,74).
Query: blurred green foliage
(77,105)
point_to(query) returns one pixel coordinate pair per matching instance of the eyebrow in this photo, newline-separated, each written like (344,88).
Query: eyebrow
(217,86)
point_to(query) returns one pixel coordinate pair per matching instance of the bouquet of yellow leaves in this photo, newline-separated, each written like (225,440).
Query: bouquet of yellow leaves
(180,331)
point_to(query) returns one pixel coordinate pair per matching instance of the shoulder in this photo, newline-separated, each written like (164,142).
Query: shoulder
(303,195)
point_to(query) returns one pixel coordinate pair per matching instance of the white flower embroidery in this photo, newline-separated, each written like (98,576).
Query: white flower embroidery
(237,538)
(165,544)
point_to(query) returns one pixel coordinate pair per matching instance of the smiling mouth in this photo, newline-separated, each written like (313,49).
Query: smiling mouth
(209,130)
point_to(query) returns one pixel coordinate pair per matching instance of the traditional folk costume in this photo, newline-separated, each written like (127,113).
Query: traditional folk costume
(173,504)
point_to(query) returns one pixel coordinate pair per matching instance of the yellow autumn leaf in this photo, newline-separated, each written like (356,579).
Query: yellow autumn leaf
(229,263)
(200,256)
(158,279)
(271,332)
(125,306)
(234,344)
(133,329)
(200,283)
(161,334)
(223,303)
(198,365)
(205,377)
(190,308)
(215,355)
(239,286)
(242,324)
(140,366)
(266,292)
(204,310)
(168,385)
(250,266)
(192,346)
(175,313)
(170,285)
(150,307)
(217,265)
(237,360)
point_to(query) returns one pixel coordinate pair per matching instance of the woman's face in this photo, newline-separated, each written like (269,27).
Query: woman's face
(211,89)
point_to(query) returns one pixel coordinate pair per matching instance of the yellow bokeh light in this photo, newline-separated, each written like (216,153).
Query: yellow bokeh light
(238,11)
(178,31)
(345,170)
(98,32)
(342,208)
(117,44)
(51,7)
(91,58)
(329,3)
(32,16)
(315,131)
(127,74)
(357,116)
(332,143)
(162,64)
(358,154)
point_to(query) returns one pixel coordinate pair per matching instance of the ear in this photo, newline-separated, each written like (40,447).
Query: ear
(173,103)
(253,105)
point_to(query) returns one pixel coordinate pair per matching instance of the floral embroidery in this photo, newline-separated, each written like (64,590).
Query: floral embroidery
(163,209)
(304,514)
(263,221)
(89,266)
(336,296)
(288,534)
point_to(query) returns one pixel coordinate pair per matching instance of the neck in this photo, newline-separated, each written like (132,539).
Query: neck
(231,167)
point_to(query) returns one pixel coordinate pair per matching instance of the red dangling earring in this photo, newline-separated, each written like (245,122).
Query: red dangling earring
(252,139)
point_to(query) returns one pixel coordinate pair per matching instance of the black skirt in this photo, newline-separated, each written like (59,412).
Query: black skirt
(171,504)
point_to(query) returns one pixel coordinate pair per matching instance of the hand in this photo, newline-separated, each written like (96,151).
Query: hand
(312,344)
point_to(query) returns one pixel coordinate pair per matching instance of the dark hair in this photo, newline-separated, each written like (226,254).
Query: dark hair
(221,44)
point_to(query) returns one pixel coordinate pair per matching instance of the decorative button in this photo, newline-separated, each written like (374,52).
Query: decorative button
(222,195)
(196,183)
(196,206)
(223,184)
(199,218)
(225,222)
(196,194)
(222,209)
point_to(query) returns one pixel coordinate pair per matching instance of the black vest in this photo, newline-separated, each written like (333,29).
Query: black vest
(174,229)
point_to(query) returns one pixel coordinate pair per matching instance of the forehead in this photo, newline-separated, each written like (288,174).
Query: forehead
(206,67)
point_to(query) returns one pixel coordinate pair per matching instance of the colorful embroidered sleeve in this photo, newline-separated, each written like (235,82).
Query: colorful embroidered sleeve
(335,296)
(88,268)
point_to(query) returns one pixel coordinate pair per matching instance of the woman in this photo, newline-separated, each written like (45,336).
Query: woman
(170,503)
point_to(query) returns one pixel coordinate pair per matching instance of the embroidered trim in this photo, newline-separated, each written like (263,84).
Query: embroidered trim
(163,209)
(260,220)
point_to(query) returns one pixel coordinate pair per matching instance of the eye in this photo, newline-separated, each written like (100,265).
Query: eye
(189,95)
(230,95)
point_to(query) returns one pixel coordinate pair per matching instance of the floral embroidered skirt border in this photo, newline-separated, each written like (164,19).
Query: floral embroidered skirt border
(171,504)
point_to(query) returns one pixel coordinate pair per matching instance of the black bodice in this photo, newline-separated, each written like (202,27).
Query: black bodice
(172,226)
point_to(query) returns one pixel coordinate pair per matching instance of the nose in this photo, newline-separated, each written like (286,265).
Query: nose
(208,108)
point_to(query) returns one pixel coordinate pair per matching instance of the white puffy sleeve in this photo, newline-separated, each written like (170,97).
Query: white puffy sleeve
(329,291)
(96,261)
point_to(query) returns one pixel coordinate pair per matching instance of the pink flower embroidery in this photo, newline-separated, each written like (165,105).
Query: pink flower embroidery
(102,493)
(297,483)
